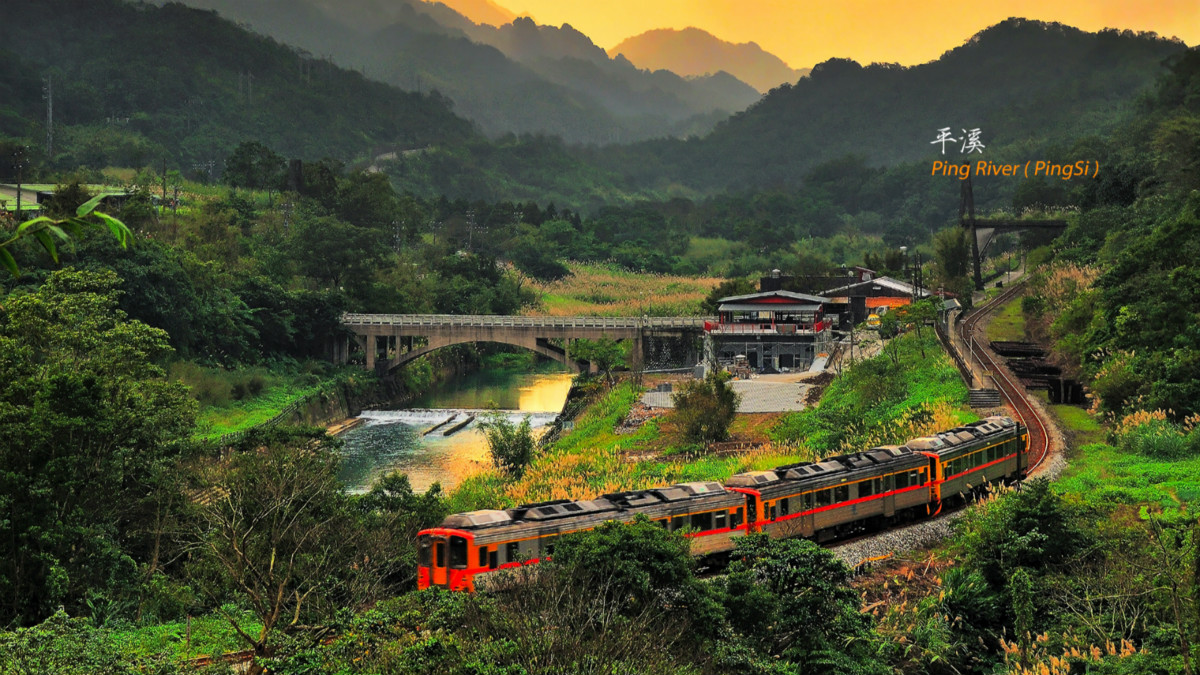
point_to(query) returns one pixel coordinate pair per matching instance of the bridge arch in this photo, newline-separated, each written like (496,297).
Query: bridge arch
(537,346)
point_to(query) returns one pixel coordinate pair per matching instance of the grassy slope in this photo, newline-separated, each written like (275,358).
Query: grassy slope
(1099,473)
(221,413)
(608,290)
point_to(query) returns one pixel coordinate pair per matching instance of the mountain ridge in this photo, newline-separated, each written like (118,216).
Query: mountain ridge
(693,51)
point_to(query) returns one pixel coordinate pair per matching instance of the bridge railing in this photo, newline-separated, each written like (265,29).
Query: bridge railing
(478,320)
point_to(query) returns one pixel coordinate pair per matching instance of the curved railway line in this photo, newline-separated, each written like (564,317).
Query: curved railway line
(1010,388)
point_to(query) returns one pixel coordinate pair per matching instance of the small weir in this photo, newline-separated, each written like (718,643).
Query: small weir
(442,442)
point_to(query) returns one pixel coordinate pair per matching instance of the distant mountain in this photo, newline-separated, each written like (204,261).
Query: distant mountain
(480,11)
(516,78)
(692,52)
(1027,85)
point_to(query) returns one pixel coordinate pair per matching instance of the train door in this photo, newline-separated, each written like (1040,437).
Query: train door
(439,574)
(935,479)
(752,506)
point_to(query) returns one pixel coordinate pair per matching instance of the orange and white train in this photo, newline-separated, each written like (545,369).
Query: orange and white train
(820,500)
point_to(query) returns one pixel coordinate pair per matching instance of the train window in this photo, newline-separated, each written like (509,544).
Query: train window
(493,560)
(771,511)
(783,507)
(677,523)
(841,493)
(549,549)
(866,488)
(823,498)
(483,556)
(702,521)
(719,520)
(901,480)
(921,478)
(661,522)
(458,553)
(808,501)
(512,552)
(425,553)
(736,519)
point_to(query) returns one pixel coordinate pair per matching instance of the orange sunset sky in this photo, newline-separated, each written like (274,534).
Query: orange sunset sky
(806,32)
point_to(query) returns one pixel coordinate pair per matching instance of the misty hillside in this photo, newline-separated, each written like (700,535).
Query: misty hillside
(1024,84)
(518,78)
(136,83)
(694,52)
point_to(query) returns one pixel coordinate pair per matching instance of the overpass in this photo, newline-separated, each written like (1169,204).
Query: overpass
(392,340)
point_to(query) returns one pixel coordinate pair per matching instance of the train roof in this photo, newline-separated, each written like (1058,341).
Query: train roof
(839,466)
(564,508)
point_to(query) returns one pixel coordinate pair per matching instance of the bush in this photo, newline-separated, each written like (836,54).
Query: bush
(704,409)
(1159,439)
(511,445)
(255,385)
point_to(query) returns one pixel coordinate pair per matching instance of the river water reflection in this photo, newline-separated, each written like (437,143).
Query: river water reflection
(393,439)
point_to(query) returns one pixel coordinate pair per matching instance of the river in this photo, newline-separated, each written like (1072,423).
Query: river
(393,440)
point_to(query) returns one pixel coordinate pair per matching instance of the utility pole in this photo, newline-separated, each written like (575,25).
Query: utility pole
(19,161)
(48,94)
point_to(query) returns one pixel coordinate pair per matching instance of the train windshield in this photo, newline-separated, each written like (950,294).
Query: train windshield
(424,551)
(458,553)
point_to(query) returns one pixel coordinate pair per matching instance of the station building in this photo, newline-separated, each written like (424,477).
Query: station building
(774,330)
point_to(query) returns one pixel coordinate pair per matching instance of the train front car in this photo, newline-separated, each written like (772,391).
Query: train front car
(831,498)
(970,458)
(445,553)
(464,552)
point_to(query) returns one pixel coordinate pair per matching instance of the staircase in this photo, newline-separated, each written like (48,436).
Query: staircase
(985,398)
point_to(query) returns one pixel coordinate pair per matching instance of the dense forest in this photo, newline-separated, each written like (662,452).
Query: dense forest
(137,84)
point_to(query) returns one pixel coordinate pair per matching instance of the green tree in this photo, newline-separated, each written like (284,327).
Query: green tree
(278,534)
(88,424)
(254,165)
(791,599)
(511,446)
(952,251)
(604,352)
(704,409)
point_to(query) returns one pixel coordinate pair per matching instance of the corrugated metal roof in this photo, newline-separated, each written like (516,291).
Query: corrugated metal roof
(750,307)
(780,294)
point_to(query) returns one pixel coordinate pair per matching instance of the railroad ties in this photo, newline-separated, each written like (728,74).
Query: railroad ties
(1028,362)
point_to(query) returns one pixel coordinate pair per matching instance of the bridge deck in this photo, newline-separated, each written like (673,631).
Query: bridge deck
(485,320)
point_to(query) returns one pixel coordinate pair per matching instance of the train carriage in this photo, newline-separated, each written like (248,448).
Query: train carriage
(968,458)
(821,500)
(468,545)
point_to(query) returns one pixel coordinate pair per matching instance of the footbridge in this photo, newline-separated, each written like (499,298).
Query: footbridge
(392,340)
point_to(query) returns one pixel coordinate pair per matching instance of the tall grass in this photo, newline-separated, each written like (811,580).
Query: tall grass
(595,289)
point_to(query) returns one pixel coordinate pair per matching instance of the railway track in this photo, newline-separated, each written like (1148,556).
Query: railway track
(1011,390)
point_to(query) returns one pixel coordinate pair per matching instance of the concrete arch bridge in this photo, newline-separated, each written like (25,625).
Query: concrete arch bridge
(392,340)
